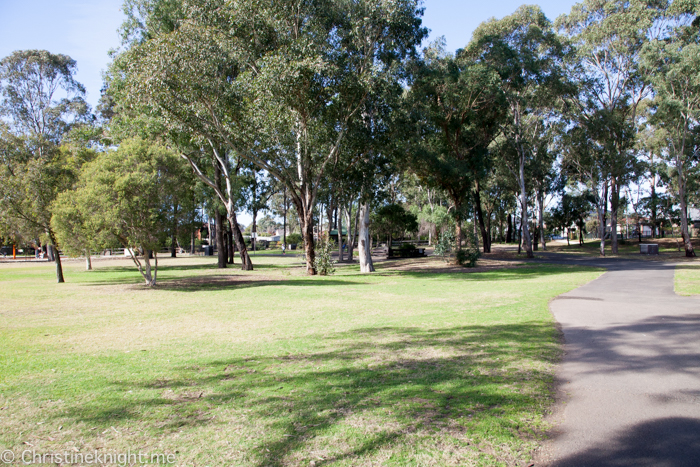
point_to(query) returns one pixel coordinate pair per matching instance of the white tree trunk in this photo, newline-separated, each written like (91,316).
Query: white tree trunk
(88,261)
(364,244)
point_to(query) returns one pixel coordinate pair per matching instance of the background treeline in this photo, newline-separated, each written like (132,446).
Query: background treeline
(327,115)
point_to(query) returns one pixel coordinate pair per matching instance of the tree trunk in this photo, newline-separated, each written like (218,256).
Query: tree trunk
(540,201)
(459,236)
(150,276)
(220,240)
(57,257)
(639,228)
(173,234)
(520,234)
(352,230)
(192,239)
(602,210)
(523,207)
(485,237)
(246,264)
(601,229)
(88,260)
(229,243)
(687,244)
(307,229)
(254,230)
(284,221)
(614,204)
(509,232)
(339,223)
(364,243)
(654,220)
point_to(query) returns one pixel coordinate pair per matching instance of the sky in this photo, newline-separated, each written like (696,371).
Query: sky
(87,29)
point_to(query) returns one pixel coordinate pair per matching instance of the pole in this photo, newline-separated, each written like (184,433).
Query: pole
(14,251)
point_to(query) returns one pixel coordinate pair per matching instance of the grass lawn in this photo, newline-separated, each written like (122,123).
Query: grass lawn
(273,368)
(687,279)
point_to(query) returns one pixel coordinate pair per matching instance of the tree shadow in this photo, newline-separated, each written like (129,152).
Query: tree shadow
(664,442)
(533,271)
(376,389)
(238,281)
(670,345)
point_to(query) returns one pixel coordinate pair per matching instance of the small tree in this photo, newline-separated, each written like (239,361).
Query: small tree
(123,194)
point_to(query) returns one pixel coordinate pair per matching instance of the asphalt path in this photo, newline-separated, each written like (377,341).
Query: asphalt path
(629,382)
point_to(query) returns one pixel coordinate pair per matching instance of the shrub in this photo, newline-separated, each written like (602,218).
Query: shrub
(323,261)
(294,239)
(444,245)
(407,246)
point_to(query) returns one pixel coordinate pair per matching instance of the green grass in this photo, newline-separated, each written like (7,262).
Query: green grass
(687,279)
(273,368)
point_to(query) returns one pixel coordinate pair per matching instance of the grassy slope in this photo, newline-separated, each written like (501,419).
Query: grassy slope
(687,279)
(274,368)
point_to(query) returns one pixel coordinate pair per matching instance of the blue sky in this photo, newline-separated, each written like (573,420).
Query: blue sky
(87,29)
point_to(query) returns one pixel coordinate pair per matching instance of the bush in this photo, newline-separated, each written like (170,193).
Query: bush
(408,246)
(323,261)
(468,256)
(294,239)
(444,245)
(465,257)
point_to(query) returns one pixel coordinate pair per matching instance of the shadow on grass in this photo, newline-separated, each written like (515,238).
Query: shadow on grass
(532,271)
(371,390)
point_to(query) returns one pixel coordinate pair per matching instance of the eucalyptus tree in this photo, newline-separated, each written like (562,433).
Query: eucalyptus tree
(526,53)
(124,194)
(585,161)
(41,102)
(672,65)
(277,84)
(608,36)
(455,107)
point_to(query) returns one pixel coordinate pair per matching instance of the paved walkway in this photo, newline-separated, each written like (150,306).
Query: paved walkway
(629,392)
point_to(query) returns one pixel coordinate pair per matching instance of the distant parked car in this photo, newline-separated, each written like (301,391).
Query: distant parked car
(5,250)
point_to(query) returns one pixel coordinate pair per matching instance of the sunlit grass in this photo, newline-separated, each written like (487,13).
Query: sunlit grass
(271,367)
(687,279)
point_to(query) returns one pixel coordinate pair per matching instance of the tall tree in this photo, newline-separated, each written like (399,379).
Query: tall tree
(525,51)
(608,36)
(41,101)
(672,65)
(455,104)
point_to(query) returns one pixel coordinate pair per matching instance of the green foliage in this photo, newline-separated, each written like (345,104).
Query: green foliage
(323,261)
(125,195)
(467,256)
(31,82)
(393,220)
(294,239)
(445,243)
